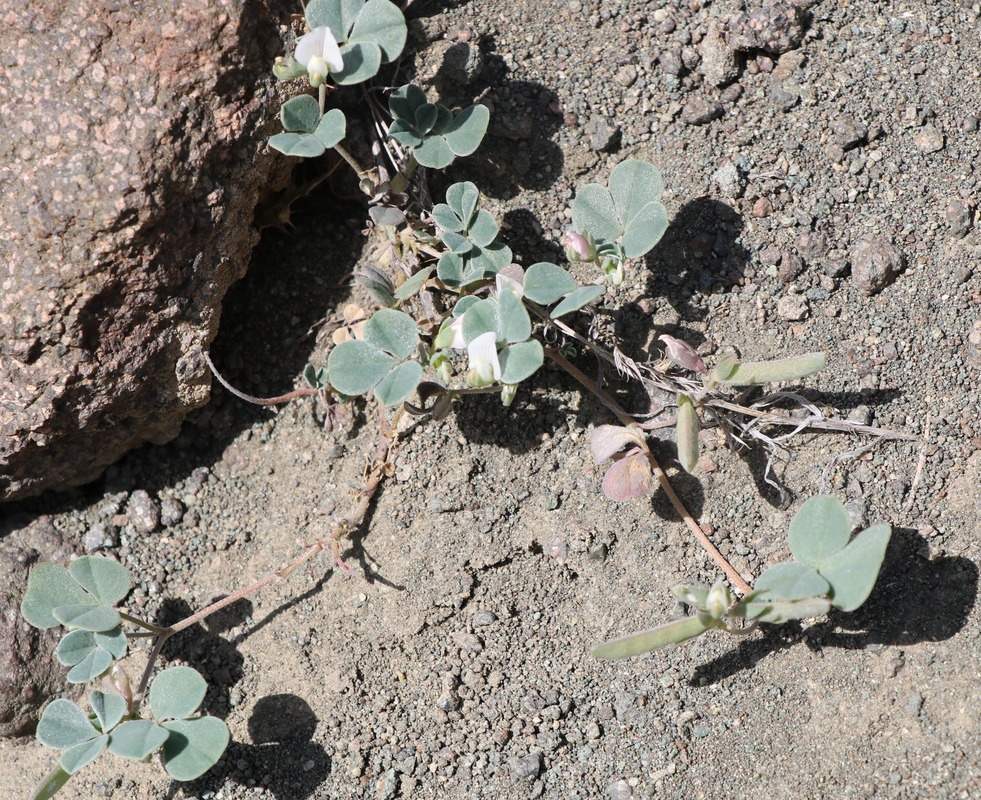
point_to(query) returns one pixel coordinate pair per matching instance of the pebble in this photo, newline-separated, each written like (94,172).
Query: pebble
(97,537)
(958,217)
(876,262)
(601,133)
(929,140)
(525,768)
(791,265)
(626,75)
(731,182)
(387,786)
(775,28)
(482,618)
(701,111)
(171,511)
(812,246)
(719,65)
(143,512)
(849,132)
(793,308)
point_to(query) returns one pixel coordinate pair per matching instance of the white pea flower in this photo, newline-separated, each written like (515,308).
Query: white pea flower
(485,367)
(319,53)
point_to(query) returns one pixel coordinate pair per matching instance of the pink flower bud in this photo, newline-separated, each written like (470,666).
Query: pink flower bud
(578,247)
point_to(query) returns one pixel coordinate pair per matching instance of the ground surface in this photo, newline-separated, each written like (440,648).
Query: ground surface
(453,663)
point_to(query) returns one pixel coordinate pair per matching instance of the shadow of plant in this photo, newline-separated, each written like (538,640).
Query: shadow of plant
(916,599)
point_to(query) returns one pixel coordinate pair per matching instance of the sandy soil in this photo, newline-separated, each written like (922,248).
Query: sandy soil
(453,663)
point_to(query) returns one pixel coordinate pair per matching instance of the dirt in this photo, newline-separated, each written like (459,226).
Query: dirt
(454,661)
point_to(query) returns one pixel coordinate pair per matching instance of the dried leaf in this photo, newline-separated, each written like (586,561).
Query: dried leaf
(608,440)
(683,354)
(629,477)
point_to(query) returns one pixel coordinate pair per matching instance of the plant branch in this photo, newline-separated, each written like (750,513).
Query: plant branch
(662,478)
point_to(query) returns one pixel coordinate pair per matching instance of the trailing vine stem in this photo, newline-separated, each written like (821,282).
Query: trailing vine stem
(662,478)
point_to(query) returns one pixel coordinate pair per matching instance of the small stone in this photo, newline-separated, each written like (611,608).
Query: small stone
(731,181)
(857,512)
(387,786)
(775,28)
(143,512)
(771,256)
(483,618)
(462,63)
(834,152)
(171,511)
(626,75)
(601,134)
(762,207)
(784,95)
(812,246)
(836,268)
(929,140)
(958,217)
(525,768)
(97,537)
(876,262)
(793,308)
(719,65)
(701,111)
(517,125)
(962,275)
(914,703)
(790,267)
(849,132)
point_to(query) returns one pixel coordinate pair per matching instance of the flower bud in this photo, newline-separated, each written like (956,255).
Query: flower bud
(508,393)
(718,601)
(579,247)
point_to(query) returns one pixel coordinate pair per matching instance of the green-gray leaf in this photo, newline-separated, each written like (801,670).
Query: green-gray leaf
(113,640)
(447,218)
(462,198)
(687,433)
(82,754)
(331,128)
(194,746)
(404,101)
(393,332)
(300,114)
(483,230)
(820,529)
(645,230)
(354,367)
(362,61)
(338,15)
(633,185)
(467,130)
(108,708)
(91,666)
(87,617)
(852,571)
(398,384)
(784,369)
(413,284)
(434,152)
(176,693)
(545,283)
(381,22)
(643,642)
(107,580)
(63,724)
(48,587)
(594,212)
(514,323)
(137,739)
(790,581)
(301,145)
(520,361)
(74,646)
(575,300)
(776,611)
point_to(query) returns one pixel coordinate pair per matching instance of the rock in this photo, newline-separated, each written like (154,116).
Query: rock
(812,246)
(929,140)
(30,675)
(143,512)
(387,786)
(626,75)
(719,65)
(602,134)
(774,27)
(732,183)
(462,63)
(762,207)
(525,768)
(793,308)
(849,132)
(784,95)
(876,262)
(171,511)
(791,265)
(130,191)
(958,217)
(701,111)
